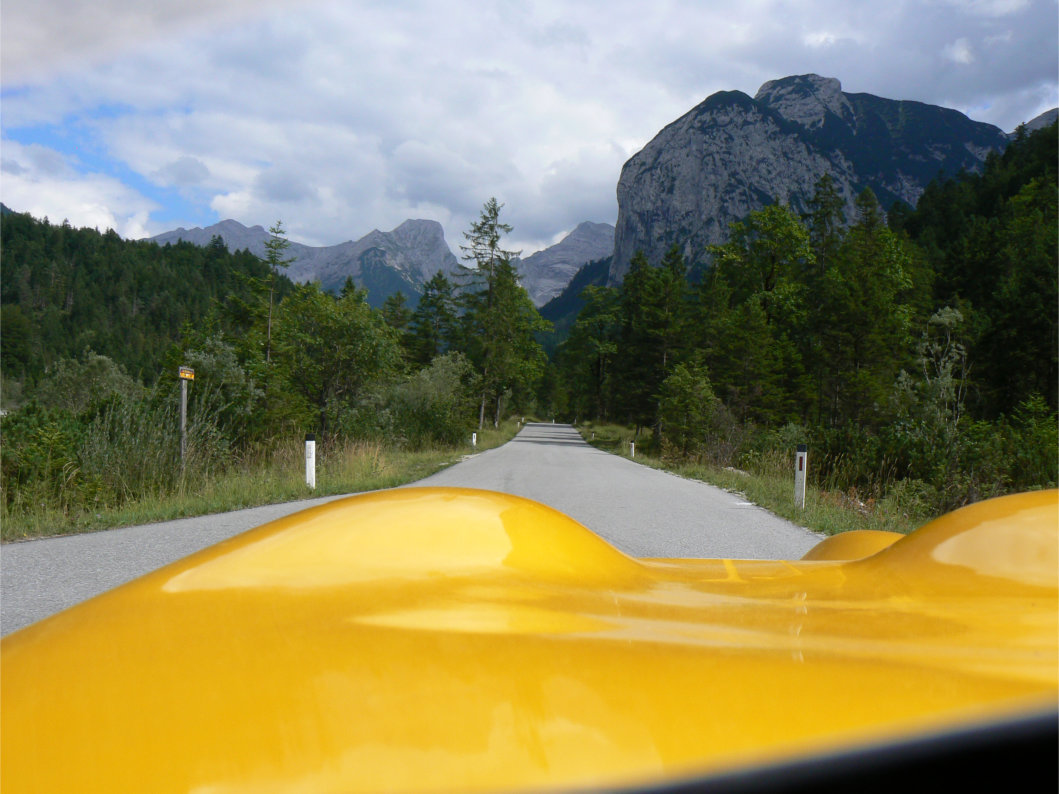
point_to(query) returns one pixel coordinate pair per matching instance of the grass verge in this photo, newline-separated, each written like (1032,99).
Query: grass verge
(772,486)
(350,467)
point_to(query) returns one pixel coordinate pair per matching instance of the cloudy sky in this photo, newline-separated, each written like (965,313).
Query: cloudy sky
(341,117)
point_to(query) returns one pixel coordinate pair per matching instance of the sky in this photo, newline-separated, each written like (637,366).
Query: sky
(337,118)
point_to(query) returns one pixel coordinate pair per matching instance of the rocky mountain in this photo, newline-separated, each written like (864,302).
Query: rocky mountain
(562,310)
(401,260)
(546,273)
(404,259)
(734,154)
(1046,119)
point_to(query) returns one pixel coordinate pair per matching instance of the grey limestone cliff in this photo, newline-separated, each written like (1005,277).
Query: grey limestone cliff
(1046,119)
(733,154)
(546,273)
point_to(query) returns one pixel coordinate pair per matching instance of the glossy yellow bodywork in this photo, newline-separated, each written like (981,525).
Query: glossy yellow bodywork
(854,545)
(448,639)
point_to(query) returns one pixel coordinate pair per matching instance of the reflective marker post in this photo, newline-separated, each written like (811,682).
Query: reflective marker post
(474,439)
(799,475)
(310,460)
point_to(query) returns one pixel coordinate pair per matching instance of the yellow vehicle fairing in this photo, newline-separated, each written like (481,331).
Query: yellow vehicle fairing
(450,639)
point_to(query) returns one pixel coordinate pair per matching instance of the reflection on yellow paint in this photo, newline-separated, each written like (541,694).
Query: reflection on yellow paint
(448,639)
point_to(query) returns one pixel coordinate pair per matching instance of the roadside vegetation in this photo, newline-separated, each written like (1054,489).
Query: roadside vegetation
(768,481)
(343,466)
(915,352)
(391,394)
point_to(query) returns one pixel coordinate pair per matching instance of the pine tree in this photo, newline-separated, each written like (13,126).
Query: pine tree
(866,306)
(433,324)
(329,349)
(499,320)
(587,356)
(275,247)
(396,314)
(760,336)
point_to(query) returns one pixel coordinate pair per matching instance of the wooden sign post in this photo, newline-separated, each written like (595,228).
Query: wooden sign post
(186,374)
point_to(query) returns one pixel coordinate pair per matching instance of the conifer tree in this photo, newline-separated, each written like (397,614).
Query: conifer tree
(587,356)
(653,317)
(433,325)
(275,248)
(499,320)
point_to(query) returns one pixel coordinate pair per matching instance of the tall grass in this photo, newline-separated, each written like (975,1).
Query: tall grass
(130,473)
(766,478)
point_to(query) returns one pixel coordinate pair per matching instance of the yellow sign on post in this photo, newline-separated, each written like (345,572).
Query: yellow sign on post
(186,374)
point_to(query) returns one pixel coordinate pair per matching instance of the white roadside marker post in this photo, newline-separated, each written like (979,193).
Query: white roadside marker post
(310,460)
(474,439)
(799,476)
(632,449)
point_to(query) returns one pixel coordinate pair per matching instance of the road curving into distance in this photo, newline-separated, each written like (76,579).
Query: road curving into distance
(642,511)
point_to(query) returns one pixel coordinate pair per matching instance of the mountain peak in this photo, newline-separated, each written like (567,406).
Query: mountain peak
(385,262)
(1046,119)
(546,273)
(234,225)
(806,99)
(732,155)
(808,83)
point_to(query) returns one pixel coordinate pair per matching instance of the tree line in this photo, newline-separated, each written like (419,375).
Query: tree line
(916,347)
(272,359)
(915,350)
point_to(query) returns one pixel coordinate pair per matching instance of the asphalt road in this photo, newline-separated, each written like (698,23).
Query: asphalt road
(642,511)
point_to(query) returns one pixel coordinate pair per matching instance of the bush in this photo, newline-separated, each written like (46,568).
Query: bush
(694,422)
(119,450)
(434,406)
(132,447)
(75,384)
(1035,442)
(687,406)
(39,455)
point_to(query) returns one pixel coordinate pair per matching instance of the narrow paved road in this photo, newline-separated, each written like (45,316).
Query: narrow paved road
(644,512)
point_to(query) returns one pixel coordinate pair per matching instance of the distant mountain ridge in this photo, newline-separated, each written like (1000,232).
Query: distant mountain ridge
(1046,119)
(734,154)
(404,259)
(401,260)
(546,273)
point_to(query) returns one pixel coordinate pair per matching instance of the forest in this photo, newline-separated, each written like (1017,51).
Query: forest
(914,351)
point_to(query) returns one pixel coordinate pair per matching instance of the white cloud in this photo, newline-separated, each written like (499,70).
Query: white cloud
(183,171)
(819,38)
(959,52)
(43,183)
(990,8)
(41,38)
(339,117)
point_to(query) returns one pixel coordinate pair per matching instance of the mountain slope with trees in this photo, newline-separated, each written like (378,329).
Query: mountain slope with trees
(64,290)
(734,154)
(916,355)
(272,360)
(401,260)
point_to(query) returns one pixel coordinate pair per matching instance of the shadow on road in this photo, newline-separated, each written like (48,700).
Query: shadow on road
(550,441)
